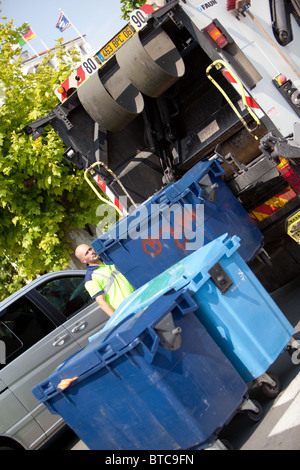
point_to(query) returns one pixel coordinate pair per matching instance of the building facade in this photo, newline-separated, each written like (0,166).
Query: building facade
(31,62)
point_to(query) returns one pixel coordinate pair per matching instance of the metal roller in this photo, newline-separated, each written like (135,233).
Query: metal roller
(111,100)
(152,63)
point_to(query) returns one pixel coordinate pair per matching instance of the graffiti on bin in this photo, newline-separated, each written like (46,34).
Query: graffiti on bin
(187,232)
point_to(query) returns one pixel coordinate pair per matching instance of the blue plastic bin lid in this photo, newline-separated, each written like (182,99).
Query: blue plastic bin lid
(178,276)
(116,342)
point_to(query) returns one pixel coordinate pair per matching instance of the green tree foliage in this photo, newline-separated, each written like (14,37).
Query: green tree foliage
(129,5)
(42,196)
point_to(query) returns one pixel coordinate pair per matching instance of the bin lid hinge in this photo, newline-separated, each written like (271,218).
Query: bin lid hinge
(220,278)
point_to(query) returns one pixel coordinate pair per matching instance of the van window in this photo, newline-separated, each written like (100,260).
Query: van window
(66,294)
(22,324)
(9,343)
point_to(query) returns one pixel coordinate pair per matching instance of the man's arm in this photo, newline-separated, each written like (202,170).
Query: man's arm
(108,309)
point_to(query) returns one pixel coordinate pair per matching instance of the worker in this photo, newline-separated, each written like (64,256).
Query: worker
(103,282)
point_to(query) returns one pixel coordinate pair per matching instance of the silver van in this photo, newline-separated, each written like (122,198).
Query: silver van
(41,325)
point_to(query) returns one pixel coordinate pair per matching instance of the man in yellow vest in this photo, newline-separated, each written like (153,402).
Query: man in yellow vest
(103,282)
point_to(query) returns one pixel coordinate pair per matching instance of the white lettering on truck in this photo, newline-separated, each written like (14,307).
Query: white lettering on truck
(207,5)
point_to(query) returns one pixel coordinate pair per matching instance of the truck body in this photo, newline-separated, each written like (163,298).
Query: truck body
(188,80)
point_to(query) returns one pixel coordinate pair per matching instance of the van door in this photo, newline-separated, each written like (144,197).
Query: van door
(82,315)
(35,347)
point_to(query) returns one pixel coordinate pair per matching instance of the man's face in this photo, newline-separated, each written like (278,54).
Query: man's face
(88,255)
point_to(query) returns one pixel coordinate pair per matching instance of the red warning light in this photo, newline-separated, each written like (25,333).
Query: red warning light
(217,35)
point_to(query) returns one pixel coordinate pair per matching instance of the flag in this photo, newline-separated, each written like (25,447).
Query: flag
(22,40)
(20,44)
(29,34)
(63,23)
(14,47)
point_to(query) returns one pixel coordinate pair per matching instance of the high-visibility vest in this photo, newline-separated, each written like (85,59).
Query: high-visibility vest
(107,280)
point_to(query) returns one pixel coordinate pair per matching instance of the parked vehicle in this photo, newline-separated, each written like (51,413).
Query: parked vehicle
(41,325)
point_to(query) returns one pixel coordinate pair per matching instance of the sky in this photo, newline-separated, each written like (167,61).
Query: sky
(100,20)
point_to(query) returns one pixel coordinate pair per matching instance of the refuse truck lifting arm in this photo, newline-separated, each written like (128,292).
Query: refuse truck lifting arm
(60,116)
(89,170)
(218,64)
(276,147)
(37,128)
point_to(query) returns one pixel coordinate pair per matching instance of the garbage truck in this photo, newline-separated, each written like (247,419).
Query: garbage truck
(191,81)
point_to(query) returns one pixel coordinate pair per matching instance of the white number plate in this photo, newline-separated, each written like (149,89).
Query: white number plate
(138,19)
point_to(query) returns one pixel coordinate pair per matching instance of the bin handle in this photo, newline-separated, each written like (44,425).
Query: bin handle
(149,352)
(106,354)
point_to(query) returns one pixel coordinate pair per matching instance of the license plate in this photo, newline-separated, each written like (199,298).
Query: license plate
(112,46)
(92,64)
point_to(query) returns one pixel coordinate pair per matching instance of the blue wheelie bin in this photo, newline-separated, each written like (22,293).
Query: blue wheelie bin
(175,222)
(154,381)
(234,307)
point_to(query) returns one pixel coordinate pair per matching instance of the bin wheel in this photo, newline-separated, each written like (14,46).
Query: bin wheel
(255,416)
(269,390)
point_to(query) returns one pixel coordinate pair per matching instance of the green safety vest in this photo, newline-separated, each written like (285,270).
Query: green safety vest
(107,280)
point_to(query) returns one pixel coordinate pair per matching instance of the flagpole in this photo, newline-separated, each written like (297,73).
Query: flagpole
(73,26)
(45,45)
(27,42)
